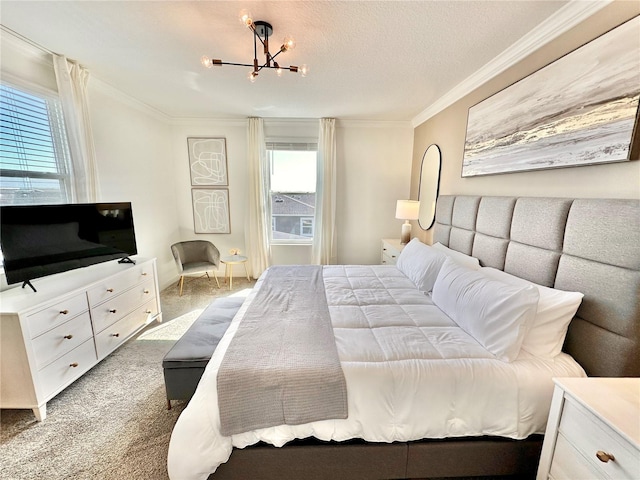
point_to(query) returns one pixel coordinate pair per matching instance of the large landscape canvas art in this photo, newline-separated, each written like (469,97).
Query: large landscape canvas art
(581,109)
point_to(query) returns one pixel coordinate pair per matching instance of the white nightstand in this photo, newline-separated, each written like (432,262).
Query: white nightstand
(593,430)
(390,251)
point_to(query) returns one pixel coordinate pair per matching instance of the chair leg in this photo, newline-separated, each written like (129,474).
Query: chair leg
(216,277)
(168,404)
(181,283)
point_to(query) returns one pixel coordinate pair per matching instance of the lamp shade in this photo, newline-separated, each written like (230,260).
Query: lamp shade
(407,209)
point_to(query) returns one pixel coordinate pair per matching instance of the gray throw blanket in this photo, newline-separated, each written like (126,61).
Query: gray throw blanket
(282,365)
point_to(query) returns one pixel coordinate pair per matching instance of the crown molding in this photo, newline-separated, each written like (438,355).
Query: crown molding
(210,121)
(373,123)
(26,47)
(563,20)
(128,100)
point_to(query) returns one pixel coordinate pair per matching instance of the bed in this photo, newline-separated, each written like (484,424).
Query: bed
(489,422)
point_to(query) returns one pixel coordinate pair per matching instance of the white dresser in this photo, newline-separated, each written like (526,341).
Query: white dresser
(51,337)
(390,251)
(593,430)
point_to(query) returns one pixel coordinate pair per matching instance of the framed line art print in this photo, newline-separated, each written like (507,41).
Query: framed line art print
(208,161)
(581,109)
(211,210)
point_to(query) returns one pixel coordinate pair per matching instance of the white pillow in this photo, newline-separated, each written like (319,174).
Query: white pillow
(496,314)
(556,309)
(421,264)
(462,258)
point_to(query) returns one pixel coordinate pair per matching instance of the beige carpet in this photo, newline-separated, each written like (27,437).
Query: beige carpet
(112,423)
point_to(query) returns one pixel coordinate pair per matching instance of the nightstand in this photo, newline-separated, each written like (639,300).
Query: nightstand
(593,430)
(390,251)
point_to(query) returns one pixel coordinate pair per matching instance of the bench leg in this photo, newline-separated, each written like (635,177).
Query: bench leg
(168,404)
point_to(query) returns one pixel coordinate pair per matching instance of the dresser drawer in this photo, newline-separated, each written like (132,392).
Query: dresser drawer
(389,260)
(67,368)
(62,339)
(110,338)
(590,435)
(114,286)
(114,309)
(57,314)
(569,464)
(390,252)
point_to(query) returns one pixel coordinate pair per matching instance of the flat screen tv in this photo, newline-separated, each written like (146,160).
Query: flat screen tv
(40,240)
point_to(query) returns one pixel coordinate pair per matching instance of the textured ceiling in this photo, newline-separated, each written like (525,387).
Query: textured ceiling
(384,60)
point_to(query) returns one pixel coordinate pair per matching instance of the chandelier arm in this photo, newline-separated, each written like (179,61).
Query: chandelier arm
(255,48)
(236,64)
(282,67)
(260,67)
(256,35)
(274,56)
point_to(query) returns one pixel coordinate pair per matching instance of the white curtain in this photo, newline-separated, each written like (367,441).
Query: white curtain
(257,228)
(324,240)
(72,81)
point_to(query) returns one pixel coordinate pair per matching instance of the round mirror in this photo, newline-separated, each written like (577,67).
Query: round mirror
(429,184)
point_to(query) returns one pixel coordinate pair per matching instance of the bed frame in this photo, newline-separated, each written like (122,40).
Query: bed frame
(586,245)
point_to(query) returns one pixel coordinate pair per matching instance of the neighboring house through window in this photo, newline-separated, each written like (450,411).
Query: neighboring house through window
(292,191)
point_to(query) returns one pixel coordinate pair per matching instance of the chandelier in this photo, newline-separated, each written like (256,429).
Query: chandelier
(261,33)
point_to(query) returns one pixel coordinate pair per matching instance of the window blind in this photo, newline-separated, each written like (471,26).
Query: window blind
(34,155)
(292,146)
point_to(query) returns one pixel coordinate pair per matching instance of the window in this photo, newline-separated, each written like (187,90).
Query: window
(292,191)
(306,227)
(34,154)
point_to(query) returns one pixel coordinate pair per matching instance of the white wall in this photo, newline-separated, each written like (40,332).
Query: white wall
(374,168)
(235,133)
(135,164)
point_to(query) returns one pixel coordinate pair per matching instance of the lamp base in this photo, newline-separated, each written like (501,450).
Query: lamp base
(405,236)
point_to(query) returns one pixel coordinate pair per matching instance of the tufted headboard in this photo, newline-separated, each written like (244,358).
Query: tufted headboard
(586,245)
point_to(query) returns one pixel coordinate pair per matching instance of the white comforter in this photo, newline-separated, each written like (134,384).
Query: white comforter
(411,373)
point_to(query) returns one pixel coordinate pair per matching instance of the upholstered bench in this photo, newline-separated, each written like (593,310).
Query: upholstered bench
(184,364)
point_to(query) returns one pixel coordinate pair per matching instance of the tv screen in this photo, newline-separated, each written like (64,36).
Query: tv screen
(40,240)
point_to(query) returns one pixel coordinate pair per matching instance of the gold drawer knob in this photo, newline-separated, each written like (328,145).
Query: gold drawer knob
(110,290)
(68,337)
(145,291)
(64,312)
(115,335)
(147,311)
(144,274)
(604,457)
(112,310)
(74,364)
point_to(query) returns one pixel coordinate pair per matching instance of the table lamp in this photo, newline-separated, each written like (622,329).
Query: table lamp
(407,210)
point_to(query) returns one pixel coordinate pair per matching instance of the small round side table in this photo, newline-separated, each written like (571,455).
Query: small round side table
(231,260)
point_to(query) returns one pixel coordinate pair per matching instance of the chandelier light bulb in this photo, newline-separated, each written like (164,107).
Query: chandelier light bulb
(245,18)
(206,61)
(252,76)
(288,43)
(304,69)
